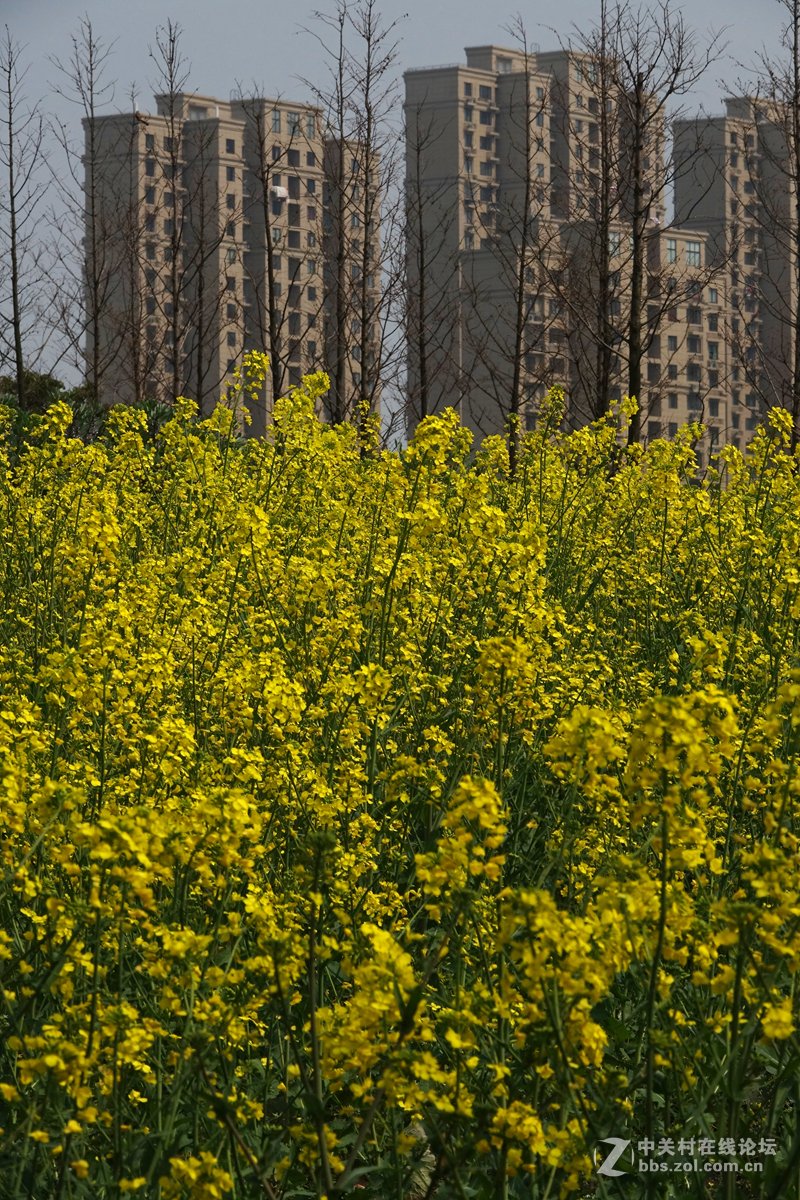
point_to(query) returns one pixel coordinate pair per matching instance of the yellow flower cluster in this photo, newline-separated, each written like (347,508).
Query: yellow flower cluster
(372,818)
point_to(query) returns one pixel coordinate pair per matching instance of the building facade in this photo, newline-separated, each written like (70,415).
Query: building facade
(221,247)
(735,185)
(518,172)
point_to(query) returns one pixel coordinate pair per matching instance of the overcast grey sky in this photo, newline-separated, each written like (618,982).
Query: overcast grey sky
(261,40)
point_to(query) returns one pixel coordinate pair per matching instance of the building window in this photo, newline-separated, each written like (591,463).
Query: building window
(672,371)
(312,240)
(672,343)
(311,213)
(294,239)
(150,251)
(231,312)
(276,236)
(231,339)
(230,146)
(713,351)
(230,257)
(150,167)
(276,120)
(693,254)
(149,141)
(484,93)
(150,196)
(169,225)
(230,200)
(673,400)
(230,283)
(150,223)
(673,429)
(293,124)
(231,367)
(540,119)
(311,266)
(712,297)
(613,244)
(713,405)
(469,241)
(168,143)
(672,250)
(468,164)
(653,430)
(735,420)
(230,174)
(468,113)
(467,89)
(310,128)
(694,316)
(312,294)
(232,229)
(276,153)
(486,118)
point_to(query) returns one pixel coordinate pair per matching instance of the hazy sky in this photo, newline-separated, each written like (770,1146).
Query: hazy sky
(262,40)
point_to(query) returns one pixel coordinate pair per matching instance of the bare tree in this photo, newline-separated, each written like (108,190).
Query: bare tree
(274,324)
(657,60)
(631,68)
(87,224)
(509,318)
(363,213)
(22,155)
(195,223)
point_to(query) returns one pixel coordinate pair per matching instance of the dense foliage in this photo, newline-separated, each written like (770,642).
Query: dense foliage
(384,824)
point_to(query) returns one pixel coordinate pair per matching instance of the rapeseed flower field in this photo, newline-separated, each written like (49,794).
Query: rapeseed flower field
(388,825)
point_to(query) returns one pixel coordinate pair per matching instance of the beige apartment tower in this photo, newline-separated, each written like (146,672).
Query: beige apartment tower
(506,244)
(216,212)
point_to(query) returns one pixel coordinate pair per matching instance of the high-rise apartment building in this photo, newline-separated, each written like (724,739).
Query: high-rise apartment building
(221,227)
(521,253)
(734,184)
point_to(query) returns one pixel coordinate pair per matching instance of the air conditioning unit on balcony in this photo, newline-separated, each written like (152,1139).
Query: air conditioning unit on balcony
(279,193)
